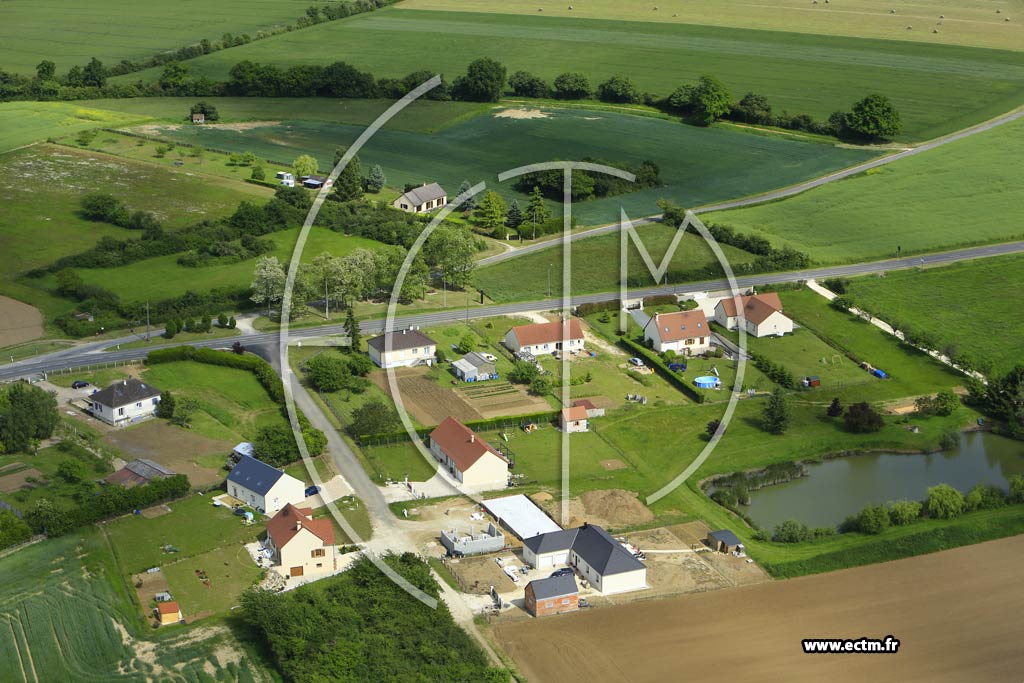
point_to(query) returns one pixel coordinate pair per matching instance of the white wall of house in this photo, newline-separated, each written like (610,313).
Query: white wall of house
(688,347)
(626,581)
(512,343)
(573,426)
(545,559)
(405,204)
(776,324)
(124,414)
(489,472)
(286,490)
(404,357)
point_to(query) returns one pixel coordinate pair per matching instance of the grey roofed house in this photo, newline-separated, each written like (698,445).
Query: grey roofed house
(551,542)
(725,536)
(602,552)
(255,475)
(474,365)
(418,196)
(124,393)
(401,339)
(555,587)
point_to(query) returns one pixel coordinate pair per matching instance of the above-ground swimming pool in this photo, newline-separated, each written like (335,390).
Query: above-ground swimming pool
(706,382)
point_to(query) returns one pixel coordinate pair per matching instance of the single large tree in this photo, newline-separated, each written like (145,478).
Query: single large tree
(490,214)
(709,100)
(618,89)
(571,86)
(329,276)
(470,202)
(874,117)
(267,282)
(861,418)
(775,418)
(304,165)
(450,251)
(944,502)
(483,82)
(376,180)
(46,70)
(515,214)
(352,330)
(537,212)
(94,74)
(349,185)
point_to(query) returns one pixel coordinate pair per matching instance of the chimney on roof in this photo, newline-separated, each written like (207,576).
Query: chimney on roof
(472,438)
(298,525)
(584,525)
(124,382)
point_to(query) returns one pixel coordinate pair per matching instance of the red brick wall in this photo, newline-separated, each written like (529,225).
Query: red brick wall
(543,608)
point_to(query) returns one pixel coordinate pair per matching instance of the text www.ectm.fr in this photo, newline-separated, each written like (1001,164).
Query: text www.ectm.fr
(887,645)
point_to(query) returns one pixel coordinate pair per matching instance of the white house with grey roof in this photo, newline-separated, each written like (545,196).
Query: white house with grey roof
(593,553)
(263,487)
(402,348)
(426,197)
(125,401)
(473,367)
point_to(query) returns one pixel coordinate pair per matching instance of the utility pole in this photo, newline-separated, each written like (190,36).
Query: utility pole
(147,321)
(535,222)
(549,279)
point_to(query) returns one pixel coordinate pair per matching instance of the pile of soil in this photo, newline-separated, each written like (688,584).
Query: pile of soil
(615,508)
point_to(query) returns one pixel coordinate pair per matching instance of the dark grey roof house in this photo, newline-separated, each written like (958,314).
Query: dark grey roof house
(125,401)
(422,198)
(408,347)
(592,551)
(724,540)
(263,487)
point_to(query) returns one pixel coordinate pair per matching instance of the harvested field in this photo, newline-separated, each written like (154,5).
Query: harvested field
(426,401)
(19,322)
(944,624)
(16,480)
(497,399)
(172,447)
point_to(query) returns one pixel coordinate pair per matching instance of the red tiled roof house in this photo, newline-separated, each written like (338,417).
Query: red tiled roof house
(470,460)
(302,546)
(542,338)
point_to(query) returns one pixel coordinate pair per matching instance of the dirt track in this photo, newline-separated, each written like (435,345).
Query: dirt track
(956,613)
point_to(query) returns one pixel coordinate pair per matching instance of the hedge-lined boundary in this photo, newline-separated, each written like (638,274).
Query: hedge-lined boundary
(260,368)
(659,366)
(384,438)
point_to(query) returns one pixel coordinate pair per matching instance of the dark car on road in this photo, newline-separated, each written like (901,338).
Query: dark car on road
(312,491)
(564,571)
(79,384)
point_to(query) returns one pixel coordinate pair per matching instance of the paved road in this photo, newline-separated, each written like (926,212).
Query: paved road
(93,353)
(774,195)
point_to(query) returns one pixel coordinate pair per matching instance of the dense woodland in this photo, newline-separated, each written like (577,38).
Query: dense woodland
(360,626)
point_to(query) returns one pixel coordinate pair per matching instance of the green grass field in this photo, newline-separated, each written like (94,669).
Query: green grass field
(230,571)
(985,287)
(973,22)
(697,165)
(938,88)
(963,193)
(176,198)
(49,485)
(22,123)
(66,617)
(420,116)
(73,32)
(233,405)
(595,265)
(162,277)
(911,373)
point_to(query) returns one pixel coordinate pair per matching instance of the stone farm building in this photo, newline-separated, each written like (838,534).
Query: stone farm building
(421,199)
(138,472)
(593,553)
(685,332)
(125,401)
(553,595)
(541,338)
(762,313)
(301,545)
(470,460)
(407,348)
(263,487)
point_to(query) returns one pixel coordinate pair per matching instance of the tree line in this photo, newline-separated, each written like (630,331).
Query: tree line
(703,102)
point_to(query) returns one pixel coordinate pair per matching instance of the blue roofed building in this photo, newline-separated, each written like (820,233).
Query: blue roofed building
(263,487)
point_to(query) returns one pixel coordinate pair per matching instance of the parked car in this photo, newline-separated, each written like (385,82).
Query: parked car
(564,571)
(677,367)
(312,491)
(79,384)
(638,362)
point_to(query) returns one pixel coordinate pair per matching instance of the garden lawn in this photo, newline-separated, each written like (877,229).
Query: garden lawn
(966,192)
(161,277)
(74,31)
(24,123)
(194,526)
(969,308)
(48,484)
(937,88)
(732,162)
(596,264)
(232,404)
(395,462)
(230,571)
(967,23)
(911,372)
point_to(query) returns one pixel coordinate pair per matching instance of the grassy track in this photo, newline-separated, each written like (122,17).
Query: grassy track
(72,32)
(966,192)
(984,287)
(697,165)
(177,199)
(938,89)
(973,22)
(22,123)
(421,116)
